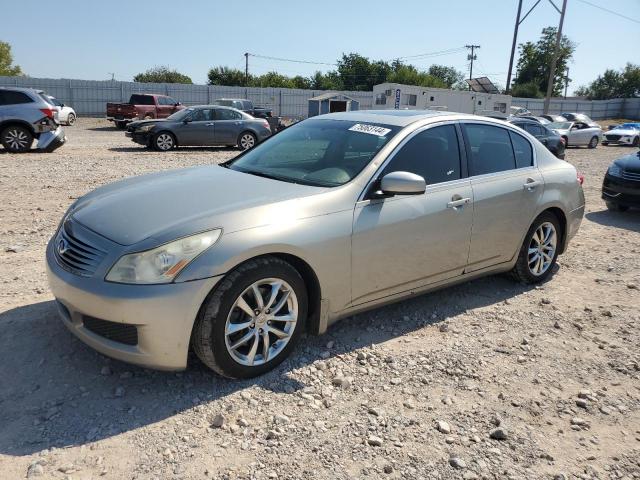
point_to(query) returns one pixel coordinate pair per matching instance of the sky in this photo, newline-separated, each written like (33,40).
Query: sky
(92,40)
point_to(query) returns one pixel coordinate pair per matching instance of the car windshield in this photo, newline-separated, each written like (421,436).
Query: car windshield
(559,125)
(317,152)
(224,103)
(54,101)
(635,126)
(180,114)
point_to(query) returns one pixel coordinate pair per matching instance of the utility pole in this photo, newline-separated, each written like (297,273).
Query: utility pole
(513,46)
(566,82)
(246,69)
(113,76)
(554,60)
(471,57)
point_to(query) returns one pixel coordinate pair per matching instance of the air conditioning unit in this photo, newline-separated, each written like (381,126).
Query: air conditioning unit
(388,93)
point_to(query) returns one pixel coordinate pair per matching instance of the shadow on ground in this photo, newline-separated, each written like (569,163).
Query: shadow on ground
(52,393)
(629,220)
(176,150)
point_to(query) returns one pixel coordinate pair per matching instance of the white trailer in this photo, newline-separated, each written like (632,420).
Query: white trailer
(412,97)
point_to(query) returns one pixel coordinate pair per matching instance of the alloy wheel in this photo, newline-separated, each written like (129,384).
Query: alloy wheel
(164,141)
(247,141)
(71,119)
(17,139)
(542,248)
(261,322)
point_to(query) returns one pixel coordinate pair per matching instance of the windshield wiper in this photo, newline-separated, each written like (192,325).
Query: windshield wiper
(259,173)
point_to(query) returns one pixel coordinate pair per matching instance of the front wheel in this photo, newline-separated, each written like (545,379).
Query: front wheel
(616,207)
(121,125)
(252,320)
(539,250)
(71,119)
(593,143)
(247,141)
(16,139)
(164,141)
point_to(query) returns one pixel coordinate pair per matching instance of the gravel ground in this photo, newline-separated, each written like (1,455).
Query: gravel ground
(489,379)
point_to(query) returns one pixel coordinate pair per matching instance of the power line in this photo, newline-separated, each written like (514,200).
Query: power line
(613,12)
(432,54)
(278,59)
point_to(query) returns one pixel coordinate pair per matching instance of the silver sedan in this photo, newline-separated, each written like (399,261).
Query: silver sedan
(577,134)
(335,215)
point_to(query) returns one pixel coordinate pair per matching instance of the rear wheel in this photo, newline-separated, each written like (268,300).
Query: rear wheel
(16,139)
(71,119)
(247,140)
(593,143)
(148,116)
(616,207)
(636,142)
(164,141)
(539,250)
(252,320)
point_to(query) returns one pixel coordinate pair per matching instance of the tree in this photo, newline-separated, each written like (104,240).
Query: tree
(534,63)
(161,74)
(231,77)
(7,69)
(359,73)
(301,82)
(271,79)
(526,90)
(614,84)
(327,81)
(449,76)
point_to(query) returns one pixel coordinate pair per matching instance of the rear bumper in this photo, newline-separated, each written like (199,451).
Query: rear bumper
(51,140)
(620,191)
(120,118)
(574,220)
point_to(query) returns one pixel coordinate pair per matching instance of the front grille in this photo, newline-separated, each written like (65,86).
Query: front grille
(116,332)
(631,176)
(76,255)
(613,138)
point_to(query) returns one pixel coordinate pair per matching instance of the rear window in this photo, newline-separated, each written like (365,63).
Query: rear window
(224,103)
(141,100)
(522,149)
(11,97)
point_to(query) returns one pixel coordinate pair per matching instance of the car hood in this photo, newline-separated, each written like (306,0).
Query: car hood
(139,123)
(623,131)
(172,204)
(629,163)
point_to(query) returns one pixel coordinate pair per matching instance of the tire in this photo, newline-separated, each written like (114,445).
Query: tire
(616,207)
(164,141)
(228,349)
(526,267)
(148,116)
(636,142)
(71,119)
(247,141)
(16,139)
(593,143)
(121,125)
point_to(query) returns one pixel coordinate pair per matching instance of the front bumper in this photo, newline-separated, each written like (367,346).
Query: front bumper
(621,191)
(141,138)
(163,315)
(618,140)
(51,140)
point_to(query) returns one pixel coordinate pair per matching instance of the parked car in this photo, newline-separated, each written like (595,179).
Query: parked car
(66,114)
(25,115)
(336,214)
(142,106)
(621,186)
(541,120)
(554,142)
(554,118)
(625,134)
(519,111)
(577,133)
(246,106)
(204,125)
(580,117)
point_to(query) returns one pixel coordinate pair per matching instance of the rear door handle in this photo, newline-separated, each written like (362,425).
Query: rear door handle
(458,203)
(210,124)
(531,184)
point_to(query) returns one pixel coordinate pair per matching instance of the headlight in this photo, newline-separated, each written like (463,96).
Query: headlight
(146,128)
(161,264)
(615,171)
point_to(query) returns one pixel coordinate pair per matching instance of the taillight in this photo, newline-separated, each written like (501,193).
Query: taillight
(48,112)
(580,178)
(266,123)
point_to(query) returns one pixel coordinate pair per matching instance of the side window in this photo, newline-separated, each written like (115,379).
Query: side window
(10,97)
(170,101)
(202,115)
(246,105)
(491,149)
(433,154)
(227,114)
(534,130)
(522,149)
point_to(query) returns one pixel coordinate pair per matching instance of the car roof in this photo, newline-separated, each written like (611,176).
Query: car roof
(524,120)
(400,118)
(22,89)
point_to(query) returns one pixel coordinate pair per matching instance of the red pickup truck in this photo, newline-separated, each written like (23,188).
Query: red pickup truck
(142,106)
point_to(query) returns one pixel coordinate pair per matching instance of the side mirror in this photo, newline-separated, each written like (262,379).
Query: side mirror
(402,183)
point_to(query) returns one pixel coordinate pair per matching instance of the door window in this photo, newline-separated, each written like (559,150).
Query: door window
(433,154)
(202,115)
(522,150)
(9,97)
(491,149)
(534,130)
(226,114)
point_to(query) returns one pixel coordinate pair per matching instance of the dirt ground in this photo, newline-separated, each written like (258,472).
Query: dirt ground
(490,379)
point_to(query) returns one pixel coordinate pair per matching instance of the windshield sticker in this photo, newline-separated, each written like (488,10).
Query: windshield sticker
(370,129)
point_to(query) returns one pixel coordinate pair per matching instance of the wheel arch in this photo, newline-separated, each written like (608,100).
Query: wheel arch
(21,123)
(175,137)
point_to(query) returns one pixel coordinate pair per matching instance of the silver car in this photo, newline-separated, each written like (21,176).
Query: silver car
(577,134)
(334,215)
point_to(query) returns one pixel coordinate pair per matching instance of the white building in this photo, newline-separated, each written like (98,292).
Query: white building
(412,97)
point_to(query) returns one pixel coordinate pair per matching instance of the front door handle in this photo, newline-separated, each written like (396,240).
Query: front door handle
(531,184)
(210,124)
(459,202)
